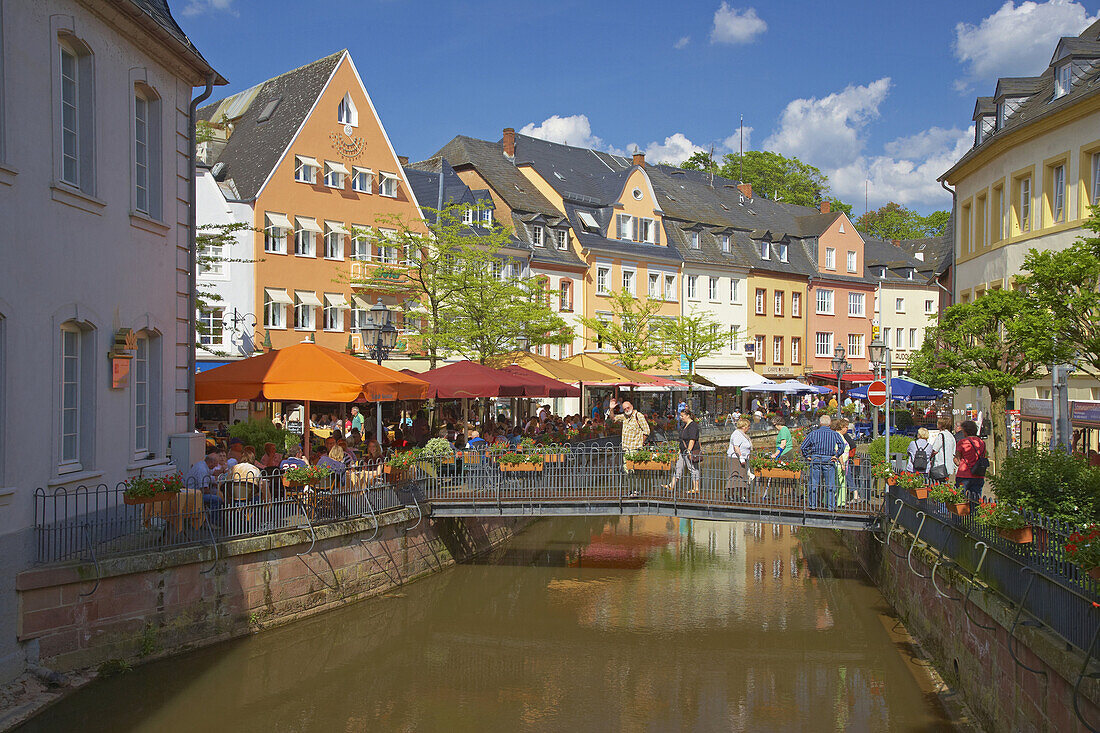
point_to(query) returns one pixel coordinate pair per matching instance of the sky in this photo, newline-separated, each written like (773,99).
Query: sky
(878,95)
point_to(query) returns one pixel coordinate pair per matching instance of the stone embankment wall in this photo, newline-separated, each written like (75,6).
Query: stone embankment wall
(153,605)
(976,662)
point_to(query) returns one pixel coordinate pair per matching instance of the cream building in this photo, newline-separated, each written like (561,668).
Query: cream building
(906,303)
(1029,180)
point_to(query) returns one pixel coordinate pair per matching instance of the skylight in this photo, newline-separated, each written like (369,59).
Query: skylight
(588,221)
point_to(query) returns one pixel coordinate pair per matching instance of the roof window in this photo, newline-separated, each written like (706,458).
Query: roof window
(268,110)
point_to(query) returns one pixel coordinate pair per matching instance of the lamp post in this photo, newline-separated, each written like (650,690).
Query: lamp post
(880,355)
(875,355)
(379,338)
(840,366)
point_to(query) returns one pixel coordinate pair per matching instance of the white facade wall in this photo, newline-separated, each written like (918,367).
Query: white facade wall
(912,320)
(573,317)
(725,310)
(83,257)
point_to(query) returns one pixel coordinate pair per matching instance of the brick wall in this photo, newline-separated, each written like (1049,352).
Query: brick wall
(158,604)
(1001,695)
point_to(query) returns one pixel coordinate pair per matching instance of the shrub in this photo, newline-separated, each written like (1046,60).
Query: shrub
(1083,548)
(257,432)
(1001,516)
(898,444)
(1051,483)
(437,448)
(902,419)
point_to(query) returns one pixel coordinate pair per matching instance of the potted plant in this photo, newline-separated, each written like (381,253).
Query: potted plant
(148,489)
(950,496)
(1083,550)
(398,465)
(296,478)
(652,458)
(438,449)
(1009,522)
(552,452)
(914,483)
(516,461)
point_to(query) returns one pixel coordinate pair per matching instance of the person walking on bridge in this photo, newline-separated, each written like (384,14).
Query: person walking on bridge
(822,449)
(635,426)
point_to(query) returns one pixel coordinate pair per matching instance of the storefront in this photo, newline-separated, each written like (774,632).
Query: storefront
(1035,426)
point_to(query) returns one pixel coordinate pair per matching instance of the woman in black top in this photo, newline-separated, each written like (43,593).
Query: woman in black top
(689,442)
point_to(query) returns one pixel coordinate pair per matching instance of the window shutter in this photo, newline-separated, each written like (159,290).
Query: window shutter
(619,226)
(657,231)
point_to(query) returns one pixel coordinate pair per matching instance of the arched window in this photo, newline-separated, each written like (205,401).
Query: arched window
(346,114)
(76,113)
(76,397)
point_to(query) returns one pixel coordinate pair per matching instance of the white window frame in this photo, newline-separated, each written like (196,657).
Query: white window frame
(670,288)
(735,290)
(304,243)
(346,112)
(141,153)
(693,287)
(899,338)
(899,305)
(1058,193)
(1025,204)
(695,240)
(830,258)
(75,114)
(334,177)
(1063,79)
(857,305)
(304,317)
(216,267)
(781,251)
(332,316)
(712,289)
(603,274)
(274,313)
(648,231)
(653,288)
(305,169)
(274,236)
(362,180)
(212,321)
(334,243)
(856,342)
(1096,179)
(761,304)
(70,400)
(823,344)
(630,280)
(852,260)
(796,350)
(765,251)
(759,349)
(913,343)
(824,302)
(141,386)
(796,304)
(562,235)
(565,295)
(387,186)
(725,242)
(777,303)
(536,236)
(929,306)
(626,227)
(361,241)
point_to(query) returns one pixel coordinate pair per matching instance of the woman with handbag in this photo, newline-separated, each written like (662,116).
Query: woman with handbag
(691,453)
(943,461)
(738,452)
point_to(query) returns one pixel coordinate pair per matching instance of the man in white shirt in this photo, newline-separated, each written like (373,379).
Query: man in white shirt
(203,476)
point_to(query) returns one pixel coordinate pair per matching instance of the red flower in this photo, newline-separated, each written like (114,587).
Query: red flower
(1071,548)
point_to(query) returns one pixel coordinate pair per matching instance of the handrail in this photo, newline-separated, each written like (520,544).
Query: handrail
(970,586)
(916,537)
(1016,622)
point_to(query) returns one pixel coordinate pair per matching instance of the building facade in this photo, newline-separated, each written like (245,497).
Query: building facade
(906,302)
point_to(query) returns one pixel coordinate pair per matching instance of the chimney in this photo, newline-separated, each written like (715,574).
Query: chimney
(826,207)
(895,242)
(746,189)
(509,143)
(403,160)
(639,159)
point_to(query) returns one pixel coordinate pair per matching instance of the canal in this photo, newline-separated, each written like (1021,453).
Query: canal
(619,624)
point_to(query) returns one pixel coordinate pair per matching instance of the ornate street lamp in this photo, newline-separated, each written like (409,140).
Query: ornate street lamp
(379,333)
(840,366)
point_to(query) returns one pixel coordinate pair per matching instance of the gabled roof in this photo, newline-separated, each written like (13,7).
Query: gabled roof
(254,148)
(1017,86)
(1075,47)
(814,225)
(883,253)
(710,247)
(508,183)
(984,106)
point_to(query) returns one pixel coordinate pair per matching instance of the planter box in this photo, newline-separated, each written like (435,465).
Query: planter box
(159,496)
(919,493)
(553,458)
(779,473)
(1094,573)
(648,465)
(396,475)
(528,467)
(1021,536)
(962,509)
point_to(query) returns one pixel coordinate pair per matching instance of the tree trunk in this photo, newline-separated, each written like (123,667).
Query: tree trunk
(998,430)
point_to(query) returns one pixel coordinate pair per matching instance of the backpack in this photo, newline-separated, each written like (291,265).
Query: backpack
(920,459)
(982,464)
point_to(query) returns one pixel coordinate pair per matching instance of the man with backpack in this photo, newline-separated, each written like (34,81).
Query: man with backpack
(920,453)
(972,460)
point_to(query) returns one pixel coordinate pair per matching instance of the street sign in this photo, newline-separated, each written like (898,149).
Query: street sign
(876,393)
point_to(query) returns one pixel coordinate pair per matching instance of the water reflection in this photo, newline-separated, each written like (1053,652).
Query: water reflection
(618,624)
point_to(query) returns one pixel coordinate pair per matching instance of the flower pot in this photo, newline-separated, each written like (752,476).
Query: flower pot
(553,458)
(397,475)
(856,460)
(962,509)
(779,473)
(892,480)
(287,483)
(648,465)
(1094,573)
(159,496)
(919,493)
(1021,536)
(528,467)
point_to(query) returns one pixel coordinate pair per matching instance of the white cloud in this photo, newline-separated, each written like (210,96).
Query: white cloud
(682,42)
(198,7)
(571,130)
(736,26)
(733,142)
(674,150)
(1016,40)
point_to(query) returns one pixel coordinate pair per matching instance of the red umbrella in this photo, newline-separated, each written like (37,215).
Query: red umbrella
(469,379)
(554,388)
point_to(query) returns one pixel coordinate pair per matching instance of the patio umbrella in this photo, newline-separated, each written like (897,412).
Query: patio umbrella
(306,373)
(615,374)
(554,388)
(902,390)
(553,368)
(470,379)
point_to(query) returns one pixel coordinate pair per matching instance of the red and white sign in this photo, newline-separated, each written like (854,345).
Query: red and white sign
(876,393)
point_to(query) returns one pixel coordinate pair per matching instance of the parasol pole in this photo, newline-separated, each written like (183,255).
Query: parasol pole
(305,431)
(378,422)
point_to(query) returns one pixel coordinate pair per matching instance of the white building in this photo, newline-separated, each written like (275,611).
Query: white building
(94,161)
(906,302)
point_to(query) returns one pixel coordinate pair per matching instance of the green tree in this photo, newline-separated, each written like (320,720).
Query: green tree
(995,342)
(632,331)
(935,224)
(700,161)
(1067,284)
(894,221)
(772,176)
(695,337)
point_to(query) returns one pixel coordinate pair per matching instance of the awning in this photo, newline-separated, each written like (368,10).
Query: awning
(278,295)
(278,220)
(308,224)
(394,176)
(307,297)
(360,302)
(730,377)
(306,160)
(336,227)
(336,301)
(338,167)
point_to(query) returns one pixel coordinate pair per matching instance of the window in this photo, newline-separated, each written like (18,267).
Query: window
(830,258)
(629,277)
(855,345)
(334,311)
(147,154)
(468,216)
(334,174)
(1024,210)
(346,113)
(733,338)
(360,243)
(303,237)
(334,240)
(670,287)
(851,261)
(796,305)
(1058,194)
(565,289)
(1063,80)
(411,255)
(486,217)
(765,252)
(997,213)
(625,224)
(359,313)
(913,343)
(497,268)
(305,169)
(758,350)
(734,289)
(841,229)
(979,224)
(388,185)
(796,350)
(71,398)
(210,327)
(825,302)
(781,251)
(603,317)
(536,236)
(1096,179)
(777,349)
(588,221)
(141,377)
(886,336)
(603,273)
(899,305)
(725,241)
(362,180)
(648,231)
(76,122)
(876,302)
(777,297)
(899,338)
(695,240)
(211,260)
(855,304)
(823,344)
(712,289)
(563,238)
(275,229)
(304,303)
(966,242)
(275,302)
(693,287)
(929,307)
(761,300)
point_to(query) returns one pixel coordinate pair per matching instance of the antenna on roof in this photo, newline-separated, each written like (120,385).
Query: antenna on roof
(711,166)
(741,157)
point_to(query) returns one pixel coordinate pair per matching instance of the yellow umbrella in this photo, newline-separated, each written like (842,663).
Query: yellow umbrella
(613,372)
(553,368)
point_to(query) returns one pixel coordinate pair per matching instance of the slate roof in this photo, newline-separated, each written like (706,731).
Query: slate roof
(897,260)
(710,247)
(159,11)
(984,106)
(424,177)
(488,158)
(814,225)
(254,148)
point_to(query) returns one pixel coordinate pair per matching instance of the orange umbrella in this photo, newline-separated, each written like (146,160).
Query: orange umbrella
(613,371)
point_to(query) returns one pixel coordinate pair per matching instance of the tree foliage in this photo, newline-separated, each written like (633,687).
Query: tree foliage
(633,331)
(772,176)
(695,337)
(212,242)
(894,221)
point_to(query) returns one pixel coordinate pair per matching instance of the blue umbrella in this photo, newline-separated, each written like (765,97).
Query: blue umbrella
(901,390)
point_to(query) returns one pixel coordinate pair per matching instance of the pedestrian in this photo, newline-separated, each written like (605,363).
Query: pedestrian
(845,477)
(738,452)
(943,443)
(691,453)
(204,476)
(784,443)
(635,427)
(356,419)
(822,449)
(920,453)
(972,460)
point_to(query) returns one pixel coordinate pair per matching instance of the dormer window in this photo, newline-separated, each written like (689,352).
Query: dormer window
(346,113)
(468,216)
(725,242)
(1063,80)
(1000,115)
(487,218)
(765,252)
(695,240)
(781,251)
(563,238)
(588,221)
(536,236)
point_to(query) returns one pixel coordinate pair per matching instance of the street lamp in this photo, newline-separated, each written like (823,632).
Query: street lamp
(379,333)
(876,352)
(880,357)
(840,366)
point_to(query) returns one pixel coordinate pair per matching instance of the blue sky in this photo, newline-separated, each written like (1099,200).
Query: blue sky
(865,90)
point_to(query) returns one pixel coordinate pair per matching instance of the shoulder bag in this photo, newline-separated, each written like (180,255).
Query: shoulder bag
(939,471)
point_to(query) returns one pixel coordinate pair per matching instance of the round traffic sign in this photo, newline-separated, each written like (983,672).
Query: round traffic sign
(876,393)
